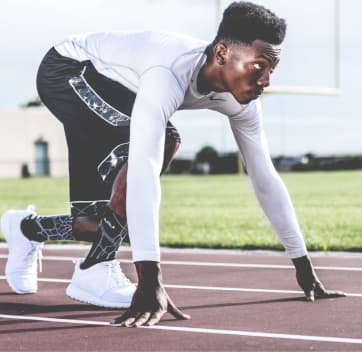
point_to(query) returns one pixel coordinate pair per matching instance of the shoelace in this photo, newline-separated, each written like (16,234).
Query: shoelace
(117,275)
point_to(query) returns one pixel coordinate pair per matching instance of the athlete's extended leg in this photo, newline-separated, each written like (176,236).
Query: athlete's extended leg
(84,228)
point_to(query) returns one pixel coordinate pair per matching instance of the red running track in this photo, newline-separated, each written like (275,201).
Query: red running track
(239,301)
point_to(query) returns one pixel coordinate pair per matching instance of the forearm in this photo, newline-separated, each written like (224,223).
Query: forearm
(143,202)
(269,189)
(277,206)
(145,160)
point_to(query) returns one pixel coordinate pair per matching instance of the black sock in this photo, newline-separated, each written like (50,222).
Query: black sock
(44,228)
(112,230)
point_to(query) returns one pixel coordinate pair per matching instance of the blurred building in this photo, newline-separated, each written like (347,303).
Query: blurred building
(32,143)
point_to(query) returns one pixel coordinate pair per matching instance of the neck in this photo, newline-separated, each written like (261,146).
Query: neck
(209,78)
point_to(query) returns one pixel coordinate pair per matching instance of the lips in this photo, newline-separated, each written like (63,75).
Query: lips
(254,94)
(259,92)
(251,95)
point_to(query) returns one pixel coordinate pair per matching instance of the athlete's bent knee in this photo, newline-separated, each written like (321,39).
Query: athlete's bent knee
(172,144)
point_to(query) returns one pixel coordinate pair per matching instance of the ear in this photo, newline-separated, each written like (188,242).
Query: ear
(220,53)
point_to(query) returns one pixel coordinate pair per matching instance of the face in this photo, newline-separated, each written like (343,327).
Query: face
(245,69)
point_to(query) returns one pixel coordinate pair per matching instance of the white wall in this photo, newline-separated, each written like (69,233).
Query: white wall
(19,130)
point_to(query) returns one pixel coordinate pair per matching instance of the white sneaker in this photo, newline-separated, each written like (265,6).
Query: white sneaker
(103,284)
(21,268)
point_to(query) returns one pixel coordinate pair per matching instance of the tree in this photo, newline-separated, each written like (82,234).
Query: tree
(35,102)
(207,154)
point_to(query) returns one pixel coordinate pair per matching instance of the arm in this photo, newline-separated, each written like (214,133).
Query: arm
(158,97)
(268,187)
(274,199)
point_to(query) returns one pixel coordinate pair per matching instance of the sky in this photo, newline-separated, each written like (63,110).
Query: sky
(294,124)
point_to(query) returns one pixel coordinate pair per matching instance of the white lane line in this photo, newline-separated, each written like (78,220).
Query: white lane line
(210,288)
(331,339)
(255,266)
(58,258)
(54,320)
(41,279)
(213,264)
(239,289)
(202,251)
(262,334)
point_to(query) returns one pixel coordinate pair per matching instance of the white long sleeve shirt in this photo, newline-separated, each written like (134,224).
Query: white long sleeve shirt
(162,69)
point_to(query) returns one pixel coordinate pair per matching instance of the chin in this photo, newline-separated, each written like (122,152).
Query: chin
(245,100)
(242,100)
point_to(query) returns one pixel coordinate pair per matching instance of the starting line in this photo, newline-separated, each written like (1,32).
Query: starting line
(211,288)
(208,264)
(330,339)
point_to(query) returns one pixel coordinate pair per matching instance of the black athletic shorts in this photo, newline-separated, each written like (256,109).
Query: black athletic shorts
(95,112)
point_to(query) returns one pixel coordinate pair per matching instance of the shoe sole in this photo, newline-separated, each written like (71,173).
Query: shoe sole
(83,296)
(17,291)
(5,229)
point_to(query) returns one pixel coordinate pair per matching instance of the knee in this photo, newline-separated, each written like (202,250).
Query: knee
(115,160)
(172,136)
(172,144)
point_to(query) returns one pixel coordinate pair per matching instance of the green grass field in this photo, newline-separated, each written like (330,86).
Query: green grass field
(221,211)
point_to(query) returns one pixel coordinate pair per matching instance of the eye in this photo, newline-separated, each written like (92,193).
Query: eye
(258,66)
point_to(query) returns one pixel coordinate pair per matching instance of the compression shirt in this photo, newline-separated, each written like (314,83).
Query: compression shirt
(162,69)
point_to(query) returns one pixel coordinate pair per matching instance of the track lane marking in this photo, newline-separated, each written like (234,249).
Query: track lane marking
(214,264)
(211,288)
(240,289)
(330,339)
(45,279)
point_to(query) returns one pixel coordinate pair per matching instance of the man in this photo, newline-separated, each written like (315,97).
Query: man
(114,94)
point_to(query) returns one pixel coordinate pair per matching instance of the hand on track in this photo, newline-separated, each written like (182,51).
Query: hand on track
(150,300)
(309,282)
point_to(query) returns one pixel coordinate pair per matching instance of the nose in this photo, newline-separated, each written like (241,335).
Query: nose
(264,79)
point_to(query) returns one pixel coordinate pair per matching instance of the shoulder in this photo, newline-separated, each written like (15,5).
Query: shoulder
(168,42)
(177,51)
(249,118)
(248,111)
(226,104)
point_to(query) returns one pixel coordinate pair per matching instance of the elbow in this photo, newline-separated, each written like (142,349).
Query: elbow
(265,182)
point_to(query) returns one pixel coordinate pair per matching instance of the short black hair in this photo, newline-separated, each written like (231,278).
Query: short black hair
(244,22)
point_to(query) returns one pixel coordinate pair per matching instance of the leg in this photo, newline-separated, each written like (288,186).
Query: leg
(89,140)
(77,227)
(67,88)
